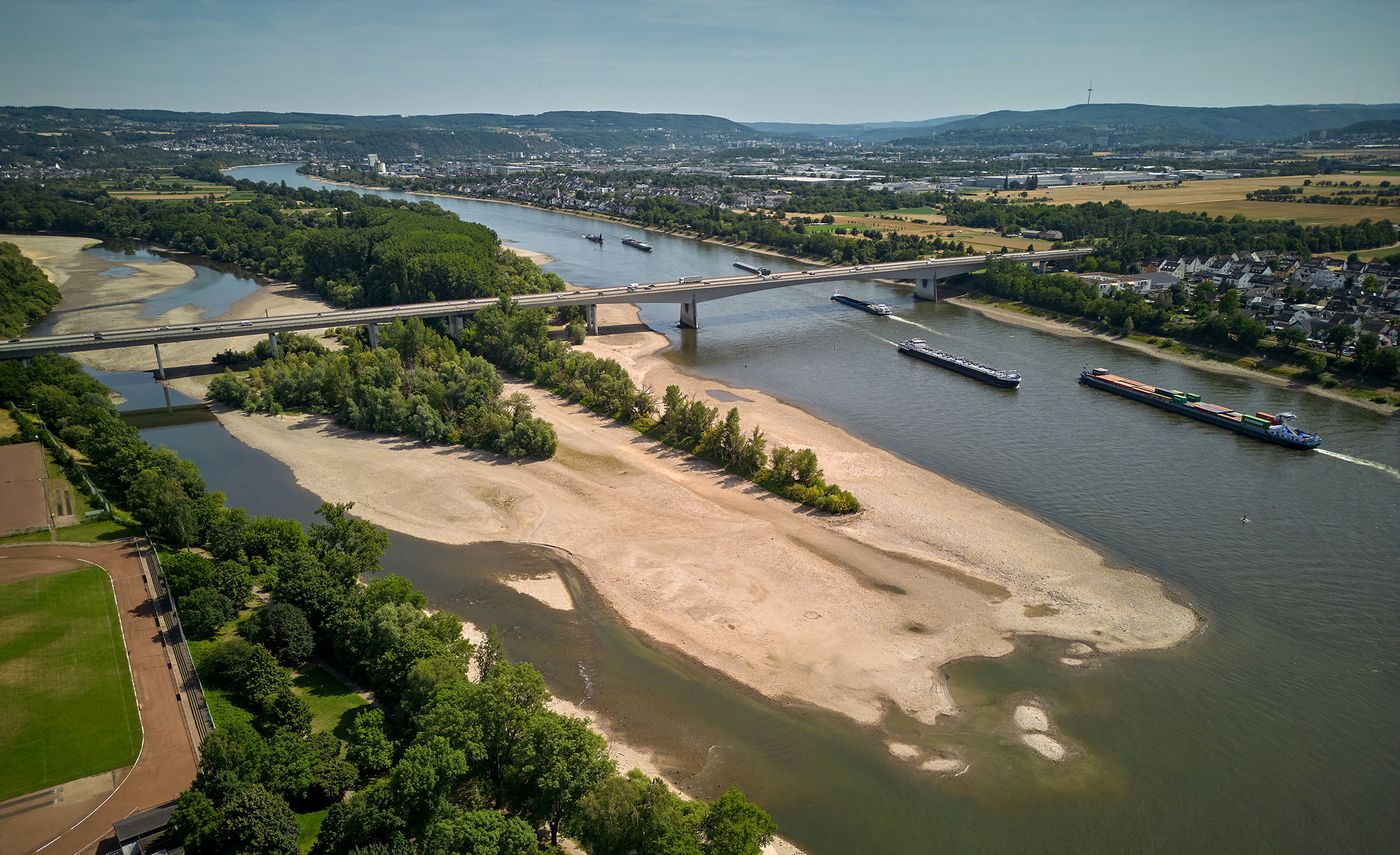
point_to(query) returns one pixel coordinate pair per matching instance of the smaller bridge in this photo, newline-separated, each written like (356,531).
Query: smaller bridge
(688,291)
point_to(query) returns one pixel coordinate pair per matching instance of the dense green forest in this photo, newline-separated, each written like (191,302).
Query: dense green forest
(418,383)
(460,754)
(355,250)
(26,294)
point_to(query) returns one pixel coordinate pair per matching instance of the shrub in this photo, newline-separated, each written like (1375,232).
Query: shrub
(203,611)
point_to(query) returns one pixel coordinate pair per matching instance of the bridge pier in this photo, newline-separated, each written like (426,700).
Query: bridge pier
(926,288)
(689,317)
(372,330)
(274,345)
(160,366)
(590,318)
(454,327)
(1038,267)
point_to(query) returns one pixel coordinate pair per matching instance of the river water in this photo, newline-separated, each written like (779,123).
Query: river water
(1274,729)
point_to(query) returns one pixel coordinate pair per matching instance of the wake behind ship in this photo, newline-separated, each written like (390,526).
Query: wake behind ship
(1270,427)
(919,349)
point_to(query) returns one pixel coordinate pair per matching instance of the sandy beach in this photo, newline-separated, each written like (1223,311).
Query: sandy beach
(1061,328)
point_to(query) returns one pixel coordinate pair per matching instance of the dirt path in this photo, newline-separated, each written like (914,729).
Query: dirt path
(77,817)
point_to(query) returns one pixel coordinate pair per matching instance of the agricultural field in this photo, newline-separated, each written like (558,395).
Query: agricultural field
(69,709)
(981,240)
(172,188)
(1224,198)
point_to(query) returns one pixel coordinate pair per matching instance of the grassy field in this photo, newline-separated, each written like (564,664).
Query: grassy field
(172,188)
(1225,198)
(310,825)
(981,240)
(333,705)
(69,709)
(7,424)
(91,532)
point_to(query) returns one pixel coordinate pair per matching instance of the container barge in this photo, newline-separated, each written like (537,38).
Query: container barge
(757,271)
(598,238)
(636,244)
(1270,427)
(872,308)
(919,349)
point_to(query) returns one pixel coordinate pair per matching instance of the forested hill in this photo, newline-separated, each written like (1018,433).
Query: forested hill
(457,132)
(1149,124)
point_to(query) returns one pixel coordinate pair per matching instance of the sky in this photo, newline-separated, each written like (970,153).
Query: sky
(748,60)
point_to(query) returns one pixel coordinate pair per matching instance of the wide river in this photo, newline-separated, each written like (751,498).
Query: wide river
(1274,729)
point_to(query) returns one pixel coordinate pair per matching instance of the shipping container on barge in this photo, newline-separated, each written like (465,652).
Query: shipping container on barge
(872,308)
(919,349)
(1270,427)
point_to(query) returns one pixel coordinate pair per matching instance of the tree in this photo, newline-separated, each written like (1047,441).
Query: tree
(1291,338)
(491,653)
(162,506)
(1367,348)
(1316,364)
(370,749)
(203,611)
(256,822)
(563,760)
(283,629)
(736,826)
(347,547)
(186,571)
(196,823)
(1387,364)
(1229,302)
(1338,336)
(509,699)
(423,777)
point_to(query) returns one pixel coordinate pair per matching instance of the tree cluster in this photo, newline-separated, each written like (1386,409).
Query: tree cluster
(26,294)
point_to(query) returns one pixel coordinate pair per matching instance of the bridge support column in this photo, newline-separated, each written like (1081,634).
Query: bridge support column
(590,318)
(689,317)
(372,330)
(160,366)
(1038,267)
(454,327)
(926,289)
(273,345)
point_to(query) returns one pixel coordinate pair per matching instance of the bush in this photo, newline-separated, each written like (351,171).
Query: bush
(203,611)
(249,670)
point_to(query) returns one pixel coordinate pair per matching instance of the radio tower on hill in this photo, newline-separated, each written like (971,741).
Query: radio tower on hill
(1090,99)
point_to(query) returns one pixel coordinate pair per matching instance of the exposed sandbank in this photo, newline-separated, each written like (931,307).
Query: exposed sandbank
(795,605)
(548,588)
(92,301)
(538,257)
(1070,330)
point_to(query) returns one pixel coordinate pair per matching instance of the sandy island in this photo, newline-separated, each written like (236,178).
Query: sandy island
(842,613)
(849,614)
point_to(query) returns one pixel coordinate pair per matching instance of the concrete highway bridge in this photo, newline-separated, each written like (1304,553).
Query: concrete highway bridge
(688,291)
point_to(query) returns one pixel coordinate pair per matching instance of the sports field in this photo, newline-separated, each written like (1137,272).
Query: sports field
(68,708)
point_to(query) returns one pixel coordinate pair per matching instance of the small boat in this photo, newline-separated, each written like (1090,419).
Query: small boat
(598,238)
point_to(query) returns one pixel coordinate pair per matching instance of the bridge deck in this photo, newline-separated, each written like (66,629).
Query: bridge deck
(678,291)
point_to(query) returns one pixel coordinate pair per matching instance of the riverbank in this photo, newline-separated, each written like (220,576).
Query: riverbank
(1073,330)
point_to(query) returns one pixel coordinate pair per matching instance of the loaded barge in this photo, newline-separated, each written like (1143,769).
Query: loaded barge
(919,349)
(636,244)
(757,271)
(872,308)
(1270,427)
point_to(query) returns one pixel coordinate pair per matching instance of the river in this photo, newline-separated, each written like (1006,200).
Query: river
(1271,730)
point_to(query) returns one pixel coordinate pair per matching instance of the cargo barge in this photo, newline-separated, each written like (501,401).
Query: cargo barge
(598,238)
(1270,427)
(636,244)
(872,308)
(919,349)
(757,271)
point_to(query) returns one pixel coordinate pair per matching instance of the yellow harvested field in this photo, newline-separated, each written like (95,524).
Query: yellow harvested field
(985,240)
(1226,198)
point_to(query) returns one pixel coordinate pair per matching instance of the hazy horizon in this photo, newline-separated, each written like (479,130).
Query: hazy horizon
(785,61)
